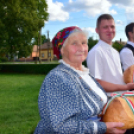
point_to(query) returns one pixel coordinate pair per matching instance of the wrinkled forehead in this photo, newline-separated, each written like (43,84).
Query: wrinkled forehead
(79,33)
(76,35)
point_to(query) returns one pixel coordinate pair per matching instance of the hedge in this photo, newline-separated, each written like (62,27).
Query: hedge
(27,68)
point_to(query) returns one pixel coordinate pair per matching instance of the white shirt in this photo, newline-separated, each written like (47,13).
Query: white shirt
(127,57)
(104,63)
(86,77)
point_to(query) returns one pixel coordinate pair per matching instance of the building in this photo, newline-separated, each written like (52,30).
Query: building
(46,52)
(43,53)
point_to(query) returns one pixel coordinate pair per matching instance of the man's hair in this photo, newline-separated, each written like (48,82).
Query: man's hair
(129,28)
(103,17)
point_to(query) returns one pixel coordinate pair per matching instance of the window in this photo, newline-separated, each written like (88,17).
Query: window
(49,54)
(42,55)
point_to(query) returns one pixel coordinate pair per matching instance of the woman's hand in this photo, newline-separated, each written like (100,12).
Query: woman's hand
(111,128)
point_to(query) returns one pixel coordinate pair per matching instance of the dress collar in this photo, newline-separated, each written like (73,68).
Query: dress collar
(84,69)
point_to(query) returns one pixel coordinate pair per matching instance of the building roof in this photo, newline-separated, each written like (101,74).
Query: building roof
(46,46)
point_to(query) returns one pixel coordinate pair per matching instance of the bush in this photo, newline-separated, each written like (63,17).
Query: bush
(85,63)
(117,46)
(3,59)
(27,68)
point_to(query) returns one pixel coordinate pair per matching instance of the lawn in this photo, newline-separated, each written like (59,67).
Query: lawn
(29,62)
(19,103)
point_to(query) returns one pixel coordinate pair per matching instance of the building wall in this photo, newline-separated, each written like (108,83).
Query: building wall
(46,54)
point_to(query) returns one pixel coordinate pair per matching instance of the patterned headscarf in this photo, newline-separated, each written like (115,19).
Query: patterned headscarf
(59,39)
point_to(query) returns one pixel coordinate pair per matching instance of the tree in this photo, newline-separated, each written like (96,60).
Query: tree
(117,46)
(24,51)
(91,42)
(43,39)
(20,21)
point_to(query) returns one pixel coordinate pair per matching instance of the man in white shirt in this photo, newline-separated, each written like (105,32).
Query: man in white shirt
(103,60)
(127,53)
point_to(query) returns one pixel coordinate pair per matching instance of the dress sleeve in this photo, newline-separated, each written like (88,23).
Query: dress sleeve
(59,102)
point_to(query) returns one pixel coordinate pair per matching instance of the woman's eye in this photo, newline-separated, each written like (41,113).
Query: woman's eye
(74,43)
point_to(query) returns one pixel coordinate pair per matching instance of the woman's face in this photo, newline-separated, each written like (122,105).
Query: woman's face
(75,50)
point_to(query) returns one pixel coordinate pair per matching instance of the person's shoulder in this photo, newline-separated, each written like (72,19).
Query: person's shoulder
(55,71)
(126,50)
(95,48)
(115,51)
(60,71)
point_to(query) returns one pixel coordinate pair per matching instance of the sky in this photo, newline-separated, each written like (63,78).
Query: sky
(84,13)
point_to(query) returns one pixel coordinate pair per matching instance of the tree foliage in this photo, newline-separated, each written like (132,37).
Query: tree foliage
(20,21)
(91,42)
(42,39)
(117,46)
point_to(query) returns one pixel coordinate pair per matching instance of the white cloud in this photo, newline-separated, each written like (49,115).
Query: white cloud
(56,11)
(92,8)
(130,17)
(128,6)
(59,11)
(70,1)
(89,29)
(119,23)
(129,14)
(122,2)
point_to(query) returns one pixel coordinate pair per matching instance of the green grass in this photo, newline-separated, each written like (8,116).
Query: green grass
(19,103)
(30,62)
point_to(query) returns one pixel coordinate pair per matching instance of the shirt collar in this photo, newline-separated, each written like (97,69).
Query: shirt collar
(84,69)
(104,44)
(131,43)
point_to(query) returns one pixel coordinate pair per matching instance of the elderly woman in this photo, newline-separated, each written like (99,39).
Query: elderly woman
(70,99)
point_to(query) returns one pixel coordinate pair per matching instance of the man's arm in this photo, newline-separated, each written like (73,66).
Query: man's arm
(110,87)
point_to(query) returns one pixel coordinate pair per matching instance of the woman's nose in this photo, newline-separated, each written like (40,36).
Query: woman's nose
(80,47)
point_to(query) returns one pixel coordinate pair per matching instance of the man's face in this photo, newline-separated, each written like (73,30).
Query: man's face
(106,30)
(133,35)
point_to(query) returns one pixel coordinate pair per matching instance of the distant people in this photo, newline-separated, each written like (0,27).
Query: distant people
(103,60)
(127,53)
(70,99)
